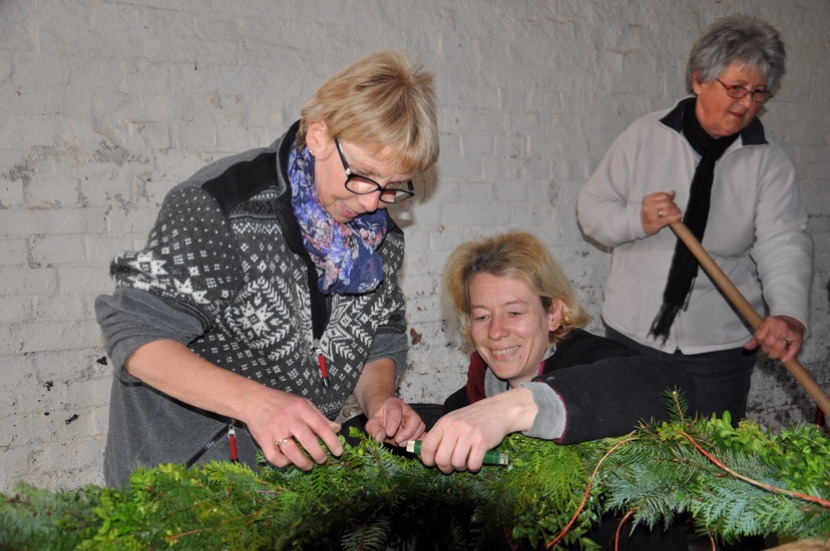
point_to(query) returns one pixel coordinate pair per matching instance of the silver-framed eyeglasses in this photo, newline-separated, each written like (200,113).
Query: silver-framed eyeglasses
(394,192)
(739,92)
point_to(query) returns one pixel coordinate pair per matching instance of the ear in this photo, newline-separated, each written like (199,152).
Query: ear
(555,314)
(317,139)
(696,86)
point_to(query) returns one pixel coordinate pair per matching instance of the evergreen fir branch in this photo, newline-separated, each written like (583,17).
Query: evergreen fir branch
(587,494)
(48,521)
(753,481)
(375,497)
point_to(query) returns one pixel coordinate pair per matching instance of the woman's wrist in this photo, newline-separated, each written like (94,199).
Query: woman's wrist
(518,407)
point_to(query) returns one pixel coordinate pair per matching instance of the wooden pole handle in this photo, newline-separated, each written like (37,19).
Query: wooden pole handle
(746,310)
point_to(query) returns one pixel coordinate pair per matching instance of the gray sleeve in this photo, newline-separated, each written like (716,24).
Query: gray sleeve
(130,318)
(549,423)
(389,344)
(390,338)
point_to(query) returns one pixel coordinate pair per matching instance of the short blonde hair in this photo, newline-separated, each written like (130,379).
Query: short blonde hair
(381,100)
(518,256)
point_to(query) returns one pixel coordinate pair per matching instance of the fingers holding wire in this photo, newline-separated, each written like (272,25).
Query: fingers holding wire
(291,430)
(295,453)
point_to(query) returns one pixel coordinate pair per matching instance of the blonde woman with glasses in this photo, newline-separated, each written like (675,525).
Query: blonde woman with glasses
(268,290)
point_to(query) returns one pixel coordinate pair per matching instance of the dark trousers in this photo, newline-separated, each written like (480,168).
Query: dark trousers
(721,378)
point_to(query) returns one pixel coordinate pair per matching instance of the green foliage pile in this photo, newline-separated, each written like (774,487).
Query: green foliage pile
(375,498)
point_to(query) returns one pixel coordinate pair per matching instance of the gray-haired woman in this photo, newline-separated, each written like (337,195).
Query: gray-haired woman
(706,161)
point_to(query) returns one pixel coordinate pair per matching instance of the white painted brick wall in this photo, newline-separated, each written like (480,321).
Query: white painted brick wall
(106,105)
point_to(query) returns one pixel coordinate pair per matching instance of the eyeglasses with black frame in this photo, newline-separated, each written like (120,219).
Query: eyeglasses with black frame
(739,92)
(363,185)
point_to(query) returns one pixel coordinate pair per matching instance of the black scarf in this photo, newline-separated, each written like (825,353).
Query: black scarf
(684,265)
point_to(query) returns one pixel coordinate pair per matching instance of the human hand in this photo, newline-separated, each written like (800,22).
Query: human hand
(780,337)
(287,428)
(459,440)
(394,422)
(658,211)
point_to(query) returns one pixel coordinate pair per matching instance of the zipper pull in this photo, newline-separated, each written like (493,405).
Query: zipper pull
(321,361)
(232,441)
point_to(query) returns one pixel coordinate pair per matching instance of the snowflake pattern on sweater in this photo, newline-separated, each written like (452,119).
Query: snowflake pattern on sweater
(237,270)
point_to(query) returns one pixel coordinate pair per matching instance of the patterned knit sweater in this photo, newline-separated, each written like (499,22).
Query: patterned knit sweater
(225,273)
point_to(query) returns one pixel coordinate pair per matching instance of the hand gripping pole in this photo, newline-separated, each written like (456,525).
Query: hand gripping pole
(746,310)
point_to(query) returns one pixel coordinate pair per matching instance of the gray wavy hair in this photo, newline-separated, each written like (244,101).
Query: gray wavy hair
(742,38)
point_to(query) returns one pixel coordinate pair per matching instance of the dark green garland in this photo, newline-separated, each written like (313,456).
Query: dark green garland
(373,498)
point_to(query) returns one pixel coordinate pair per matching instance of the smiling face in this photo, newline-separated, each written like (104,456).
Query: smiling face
(330,176)
(509,326)
(721,115)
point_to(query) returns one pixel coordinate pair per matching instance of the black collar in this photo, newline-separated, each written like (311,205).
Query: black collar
(753,134)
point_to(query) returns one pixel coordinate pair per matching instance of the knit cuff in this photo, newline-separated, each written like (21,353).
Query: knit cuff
(551,418)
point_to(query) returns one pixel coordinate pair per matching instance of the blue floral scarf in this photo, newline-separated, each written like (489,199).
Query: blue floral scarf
(343,253)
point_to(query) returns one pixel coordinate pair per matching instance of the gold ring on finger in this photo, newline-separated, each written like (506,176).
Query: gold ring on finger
(660,213)
(281,441)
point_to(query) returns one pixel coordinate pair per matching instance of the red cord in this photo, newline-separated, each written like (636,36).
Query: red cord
(232,442)
(323,370)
